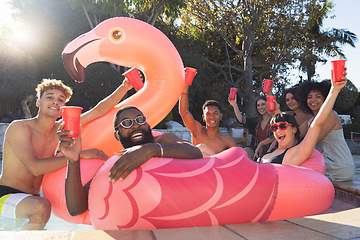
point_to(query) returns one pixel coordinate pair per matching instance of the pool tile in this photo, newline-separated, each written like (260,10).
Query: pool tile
(196,233)
(279,230)
(113,234)
(343,225)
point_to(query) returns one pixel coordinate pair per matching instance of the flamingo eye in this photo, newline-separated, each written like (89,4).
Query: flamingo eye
(117,35)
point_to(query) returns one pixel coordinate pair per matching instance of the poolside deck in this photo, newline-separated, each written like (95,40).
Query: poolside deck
(336,223)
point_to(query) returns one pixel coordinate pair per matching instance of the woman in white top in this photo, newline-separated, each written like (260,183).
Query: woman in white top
(330,142)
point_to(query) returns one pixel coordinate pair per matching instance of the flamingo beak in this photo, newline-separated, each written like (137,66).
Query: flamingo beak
(79,53)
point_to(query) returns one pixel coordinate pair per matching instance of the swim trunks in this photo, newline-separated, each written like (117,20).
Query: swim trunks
(9,199)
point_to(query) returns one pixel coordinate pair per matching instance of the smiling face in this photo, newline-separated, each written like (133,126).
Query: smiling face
(136,134)
(261,106)
(291,102)
(212,116)
(50,102)
(285,134)
(315,100)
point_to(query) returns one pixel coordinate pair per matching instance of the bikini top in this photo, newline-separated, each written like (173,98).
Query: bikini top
(277,159)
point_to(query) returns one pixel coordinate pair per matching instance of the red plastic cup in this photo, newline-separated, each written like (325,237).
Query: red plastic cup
(232,94)
(267,84)
(134,78)
(338,68)
(271,102)
(71,117)
(189,75)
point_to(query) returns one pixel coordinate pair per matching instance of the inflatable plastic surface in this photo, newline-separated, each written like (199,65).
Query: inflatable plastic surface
(53,188)
(227,188)
(131,43)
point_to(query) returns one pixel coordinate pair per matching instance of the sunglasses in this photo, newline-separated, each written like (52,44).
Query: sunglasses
(281,125)
(127,123)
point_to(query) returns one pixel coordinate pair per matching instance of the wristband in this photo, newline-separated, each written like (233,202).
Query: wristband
(161,150)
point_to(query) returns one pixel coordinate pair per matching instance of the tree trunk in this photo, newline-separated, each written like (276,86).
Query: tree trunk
(248,87)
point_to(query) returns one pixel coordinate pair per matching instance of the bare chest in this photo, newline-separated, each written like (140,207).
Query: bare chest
(44,146)
(216,143)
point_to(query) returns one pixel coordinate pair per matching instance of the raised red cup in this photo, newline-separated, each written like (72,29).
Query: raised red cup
(338,67)
(267,84)
(189,75)
(270,100)
(134,78)
(232,93)
(71,117)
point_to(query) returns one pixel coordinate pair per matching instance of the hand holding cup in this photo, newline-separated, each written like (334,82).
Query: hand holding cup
(267,85)
(189,75)
(71,118)
(134,78)
(338,69)
(270,100)
(232,93)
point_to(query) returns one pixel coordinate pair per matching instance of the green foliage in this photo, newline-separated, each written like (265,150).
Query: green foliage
(230,45)
(353,127)
(346,99)
(162,124)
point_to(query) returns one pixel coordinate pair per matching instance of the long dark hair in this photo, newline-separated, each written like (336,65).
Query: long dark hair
(285,117)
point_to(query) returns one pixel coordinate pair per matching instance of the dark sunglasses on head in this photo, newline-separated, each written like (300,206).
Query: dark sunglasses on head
(127,123)
(281,125)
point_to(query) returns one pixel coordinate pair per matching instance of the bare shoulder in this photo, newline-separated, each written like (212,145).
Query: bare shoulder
(333,118)
(20,125)
(228,139)
(167,138)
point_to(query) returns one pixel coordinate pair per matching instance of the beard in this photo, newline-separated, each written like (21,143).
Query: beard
(126,142)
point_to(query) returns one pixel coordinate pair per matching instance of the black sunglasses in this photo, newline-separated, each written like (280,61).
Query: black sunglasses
(281,125)
(127,123)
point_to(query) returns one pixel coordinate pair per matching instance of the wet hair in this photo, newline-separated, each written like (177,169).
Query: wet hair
(49,84)
(285,117)
(121,110)
(323,87)
(211,103)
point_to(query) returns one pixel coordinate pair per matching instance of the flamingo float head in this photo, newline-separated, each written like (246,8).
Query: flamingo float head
(131,43)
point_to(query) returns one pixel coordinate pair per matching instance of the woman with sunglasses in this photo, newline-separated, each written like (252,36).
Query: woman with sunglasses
(286,131)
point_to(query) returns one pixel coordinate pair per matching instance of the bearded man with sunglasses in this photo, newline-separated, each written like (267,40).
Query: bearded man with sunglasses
(132,130)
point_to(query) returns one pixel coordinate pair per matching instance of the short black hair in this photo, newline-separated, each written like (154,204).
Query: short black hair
(122,109)
(211,103)
(285,117)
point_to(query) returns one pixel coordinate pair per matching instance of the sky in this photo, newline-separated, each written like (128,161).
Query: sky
(344,14)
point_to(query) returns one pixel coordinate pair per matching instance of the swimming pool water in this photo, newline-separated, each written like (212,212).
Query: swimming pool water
(54,224)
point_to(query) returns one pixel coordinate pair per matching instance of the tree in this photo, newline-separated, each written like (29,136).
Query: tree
(145,10)
(318,43)
(249,40)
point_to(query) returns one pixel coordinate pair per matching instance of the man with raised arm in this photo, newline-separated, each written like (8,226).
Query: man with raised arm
(208,138)
(29,151)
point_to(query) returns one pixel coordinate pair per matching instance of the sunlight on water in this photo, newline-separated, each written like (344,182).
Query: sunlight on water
(54,224)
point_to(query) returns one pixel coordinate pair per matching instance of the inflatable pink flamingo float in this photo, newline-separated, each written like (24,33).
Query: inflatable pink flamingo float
(226,188)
